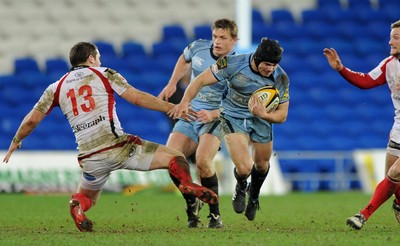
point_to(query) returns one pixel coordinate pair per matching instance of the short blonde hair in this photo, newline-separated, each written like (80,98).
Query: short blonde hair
(395,24)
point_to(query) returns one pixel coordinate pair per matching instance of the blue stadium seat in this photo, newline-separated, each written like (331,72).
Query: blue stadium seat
(166,63)
(26,65)
(202,32)
(328,4)
(131,49)
(318,30)
(262,30)
(115,63)
(171,33)
(309,16)
(280,16)
(140,64)
(56,67)
(166,48)
(257,16)
(365,46)
(358,5)
(383,4)
(106,48)
(369,15)
(338,15)
(317,63)
(296,31)
(379,30)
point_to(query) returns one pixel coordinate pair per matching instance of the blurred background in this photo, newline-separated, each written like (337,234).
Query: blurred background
(329,120)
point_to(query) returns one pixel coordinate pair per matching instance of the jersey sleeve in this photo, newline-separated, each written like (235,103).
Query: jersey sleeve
(188,52)
(46,101)
(117,81)
(374,78)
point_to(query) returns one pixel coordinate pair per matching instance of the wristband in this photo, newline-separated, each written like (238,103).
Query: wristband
(17,140)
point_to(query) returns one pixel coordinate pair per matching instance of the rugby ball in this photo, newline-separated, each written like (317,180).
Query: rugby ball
(269,96)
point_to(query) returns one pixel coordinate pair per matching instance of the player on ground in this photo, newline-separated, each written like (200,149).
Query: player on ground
(246,124)
(388,71)
(202,137)
(86,97)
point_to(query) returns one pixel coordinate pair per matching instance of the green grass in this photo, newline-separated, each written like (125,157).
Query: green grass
(152,217)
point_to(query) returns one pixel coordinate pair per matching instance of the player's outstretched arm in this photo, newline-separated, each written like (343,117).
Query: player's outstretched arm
(31,120)
(146,100)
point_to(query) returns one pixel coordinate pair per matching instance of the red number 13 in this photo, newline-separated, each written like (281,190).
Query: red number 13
(86,92)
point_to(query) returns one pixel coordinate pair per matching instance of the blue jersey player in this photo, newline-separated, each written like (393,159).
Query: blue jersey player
(245,121)
(202,137)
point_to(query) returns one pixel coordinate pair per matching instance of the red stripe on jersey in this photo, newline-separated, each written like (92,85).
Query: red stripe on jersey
(110,94)
(56,99)
(109,91)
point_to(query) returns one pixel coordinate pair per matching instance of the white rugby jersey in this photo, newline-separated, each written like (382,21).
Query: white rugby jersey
(86,97)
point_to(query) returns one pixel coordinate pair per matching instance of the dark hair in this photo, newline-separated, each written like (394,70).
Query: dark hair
(268,50)
(80,52)
(226,24)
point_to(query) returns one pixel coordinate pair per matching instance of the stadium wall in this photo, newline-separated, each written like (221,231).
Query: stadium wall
(58,171)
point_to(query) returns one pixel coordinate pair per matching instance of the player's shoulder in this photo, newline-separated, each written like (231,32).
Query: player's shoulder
(238,59)
(200,44)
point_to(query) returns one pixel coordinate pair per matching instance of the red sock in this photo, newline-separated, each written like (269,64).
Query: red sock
(384,190)
(84,200)
(179,169)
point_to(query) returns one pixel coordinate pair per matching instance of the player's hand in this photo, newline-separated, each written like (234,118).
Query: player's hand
(167,92)
(11,149)
(333,58)
(205,116)
(256,107)
(180,110)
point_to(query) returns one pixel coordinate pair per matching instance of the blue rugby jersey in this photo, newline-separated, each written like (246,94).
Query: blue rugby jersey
(243,81)
(199,53)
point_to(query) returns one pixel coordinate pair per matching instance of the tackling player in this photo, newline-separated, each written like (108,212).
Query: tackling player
(388,71)
(246,124)
(86,97)
(202,137)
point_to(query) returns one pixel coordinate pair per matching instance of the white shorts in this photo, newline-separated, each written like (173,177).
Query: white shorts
(96,168)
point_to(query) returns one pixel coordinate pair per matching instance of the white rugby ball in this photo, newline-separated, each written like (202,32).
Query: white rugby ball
(269,96)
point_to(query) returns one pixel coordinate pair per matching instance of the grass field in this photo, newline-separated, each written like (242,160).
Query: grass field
(152,217)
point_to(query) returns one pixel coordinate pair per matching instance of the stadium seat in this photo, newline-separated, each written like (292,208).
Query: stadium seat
(166,48)
(173,32)
(56,66)
(338,15)
(261,30)
(318,30)
(364,46)
(309,16)
(166,63)
(279,16)
(131,49)
(358,5)
(257,16)
(140,64)
(389,4)
(202,32)
(26,65)
(328,4)
(106,48)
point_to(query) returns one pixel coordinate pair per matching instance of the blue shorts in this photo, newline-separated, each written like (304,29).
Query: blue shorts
(195,129)
(259,130)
